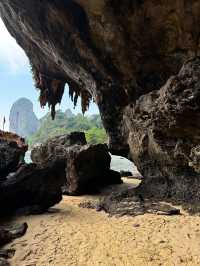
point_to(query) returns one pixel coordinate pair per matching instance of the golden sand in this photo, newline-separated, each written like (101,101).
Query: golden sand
(73,236)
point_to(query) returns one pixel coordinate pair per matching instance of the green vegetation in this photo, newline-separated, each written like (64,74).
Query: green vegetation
(66,122)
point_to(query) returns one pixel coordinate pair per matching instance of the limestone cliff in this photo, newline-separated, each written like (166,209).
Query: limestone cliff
(23,120)
(120,54)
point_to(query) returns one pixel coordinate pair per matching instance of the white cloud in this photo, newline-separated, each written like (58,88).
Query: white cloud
(12,57)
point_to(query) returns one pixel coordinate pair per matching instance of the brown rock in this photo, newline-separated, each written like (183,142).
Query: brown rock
(32,189)
(120,53)
(12,151)
(86,167)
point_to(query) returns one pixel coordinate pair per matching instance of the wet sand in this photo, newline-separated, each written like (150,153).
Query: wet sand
(70,235)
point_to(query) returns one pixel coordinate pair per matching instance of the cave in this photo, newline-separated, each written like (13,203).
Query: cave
(139,61)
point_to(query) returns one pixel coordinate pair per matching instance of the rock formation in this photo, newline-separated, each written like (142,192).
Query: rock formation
(167,125)
(12,151)
(24,186)
(86,167)
(64,162)
(7,234)
(31,189)
(23,120)
(121,54)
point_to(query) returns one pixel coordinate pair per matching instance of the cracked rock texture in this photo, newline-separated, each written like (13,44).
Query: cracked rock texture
(12,151)
(122,54)
(85,168)
(24,186)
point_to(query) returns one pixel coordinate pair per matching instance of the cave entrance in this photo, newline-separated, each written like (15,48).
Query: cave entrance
(127,169)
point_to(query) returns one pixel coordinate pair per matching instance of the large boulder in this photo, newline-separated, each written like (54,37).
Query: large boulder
(54,149)
(12,151)
(7,234)
(31,189)
(25,186)
(86,167)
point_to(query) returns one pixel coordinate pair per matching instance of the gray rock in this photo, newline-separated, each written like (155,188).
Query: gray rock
(23,120)
(69,113)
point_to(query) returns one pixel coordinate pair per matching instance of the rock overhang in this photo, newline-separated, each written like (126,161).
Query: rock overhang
(120,53)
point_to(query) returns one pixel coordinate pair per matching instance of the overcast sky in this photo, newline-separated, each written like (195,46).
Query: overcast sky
(16,80)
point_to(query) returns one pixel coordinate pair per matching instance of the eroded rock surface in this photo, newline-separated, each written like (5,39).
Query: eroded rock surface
(25,186)
(7,234)
(164,135)
(86,167)
(120,53)
(12,151)
(54,150)
(31,189)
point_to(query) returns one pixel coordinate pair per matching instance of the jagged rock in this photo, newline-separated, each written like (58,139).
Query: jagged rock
(31,189)
(23,120)
(86,167)
(195,158)
(120,53)
(12,151)
(7,234)
(164,135)
(4,262)
(24,186)
(54,150)
(127,202)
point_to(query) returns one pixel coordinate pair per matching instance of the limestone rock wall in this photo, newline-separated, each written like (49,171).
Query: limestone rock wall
(121,53)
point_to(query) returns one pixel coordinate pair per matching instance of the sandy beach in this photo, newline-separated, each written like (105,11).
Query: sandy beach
(70,235)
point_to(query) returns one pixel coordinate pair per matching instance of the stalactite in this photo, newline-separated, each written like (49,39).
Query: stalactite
(85,100)
(51,92)
(51,89)
(74,93)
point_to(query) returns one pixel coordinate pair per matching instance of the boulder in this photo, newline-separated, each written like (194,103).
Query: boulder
(24,186)
(12,152)
(54,150)
(7,234)
(31,189)
(86,167)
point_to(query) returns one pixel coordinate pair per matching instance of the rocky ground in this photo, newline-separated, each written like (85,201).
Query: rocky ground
(70,235)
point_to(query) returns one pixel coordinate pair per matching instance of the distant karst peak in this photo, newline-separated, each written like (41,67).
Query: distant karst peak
(22,119)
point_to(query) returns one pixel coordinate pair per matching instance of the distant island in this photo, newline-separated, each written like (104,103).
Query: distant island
(22,118)
(24,122)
